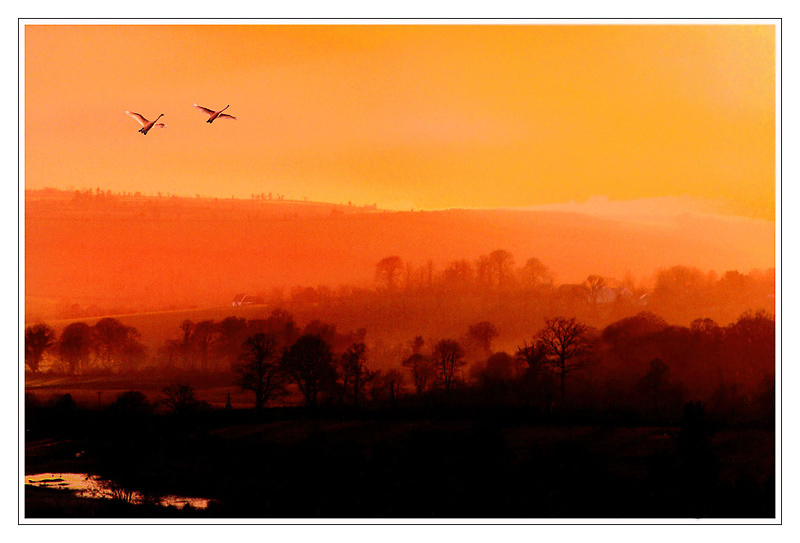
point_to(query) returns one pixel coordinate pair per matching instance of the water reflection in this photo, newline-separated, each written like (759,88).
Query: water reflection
(92,486)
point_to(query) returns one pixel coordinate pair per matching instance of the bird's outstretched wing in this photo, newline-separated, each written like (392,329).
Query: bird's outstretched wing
(159,125)
(226,116)
(204,110)
(141,120)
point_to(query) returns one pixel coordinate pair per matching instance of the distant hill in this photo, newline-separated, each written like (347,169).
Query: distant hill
(136,253)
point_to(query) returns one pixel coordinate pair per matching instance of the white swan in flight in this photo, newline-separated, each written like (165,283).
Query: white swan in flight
(146,125)
(212,115)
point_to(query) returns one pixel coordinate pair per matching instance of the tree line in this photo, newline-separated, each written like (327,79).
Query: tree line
(638,361)
(105,346)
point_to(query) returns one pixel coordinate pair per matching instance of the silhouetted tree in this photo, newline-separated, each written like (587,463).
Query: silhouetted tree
(38,339)
(183,345)
(534,356)
(394,385)
(387,386)
(501,262)
(179,398)
(535,273)
(422,370)
(386,271)
(117,343)
(482,334)
(538,372)
(705,327)
(75,345)
(205,333)
(448,359)
(355,373)
(309,363)
(134,352)
(327,332)
(131,402)
(751,345)
(655,381)
(458,275)
(280,324)
(232,334)
(679,286)
(596,285)
(259,370)
(566,342)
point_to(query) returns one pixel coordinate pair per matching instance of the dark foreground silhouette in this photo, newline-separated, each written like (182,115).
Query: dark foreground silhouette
(402,462)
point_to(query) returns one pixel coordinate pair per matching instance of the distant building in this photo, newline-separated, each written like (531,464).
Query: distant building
(246,299)
(605,294)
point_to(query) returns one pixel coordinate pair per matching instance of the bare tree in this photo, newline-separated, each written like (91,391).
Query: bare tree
(387,385)
(183,345)
(394,384)
(179,397)
(259,369)
(38,339)
(205,333)
(422,370)
(448,359)
(309,363)
(355,373)
(386,271)
(566,341)
(538,372)
(596,285)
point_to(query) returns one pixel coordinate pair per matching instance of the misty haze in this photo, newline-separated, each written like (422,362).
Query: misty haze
(494,296)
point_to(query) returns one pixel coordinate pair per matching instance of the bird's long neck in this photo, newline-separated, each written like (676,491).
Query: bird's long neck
(157,118)
(223,109)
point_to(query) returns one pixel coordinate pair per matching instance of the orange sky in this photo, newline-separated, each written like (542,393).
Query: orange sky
(429,116)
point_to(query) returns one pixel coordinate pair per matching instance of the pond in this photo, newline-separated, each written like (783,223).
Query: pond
(92,486)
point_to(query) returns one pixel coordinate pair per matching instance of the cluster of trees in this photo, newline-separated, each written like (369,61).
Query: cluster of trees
(323,373)
(107,345)
(495,288)
(89,195)
(639,361)
(642,362)
(496,270)
(267,196)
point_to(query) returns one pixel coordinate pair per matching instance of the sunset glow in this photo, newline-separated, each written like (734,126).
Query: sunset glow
(423,116)
(420,271)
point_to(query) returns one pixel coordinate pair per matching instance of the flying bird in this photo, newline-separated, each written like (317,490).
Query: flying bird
(213,115)
(146,125)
